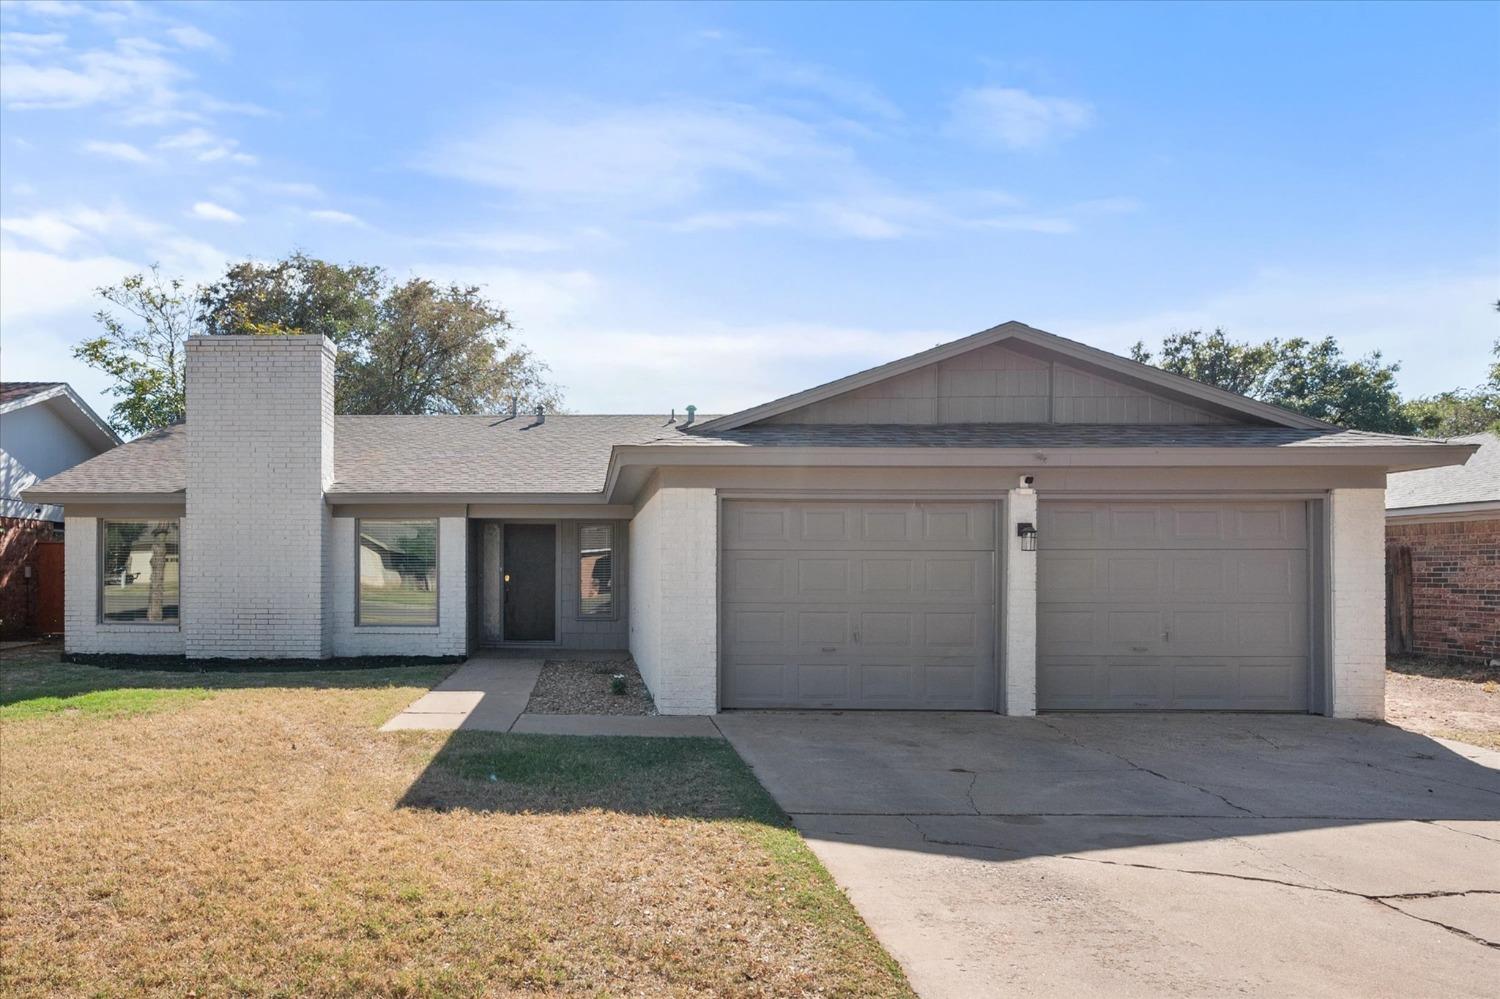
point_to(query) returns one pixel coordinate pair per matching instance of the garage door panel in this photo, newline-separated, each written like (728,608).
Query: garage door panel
(776,525)
(1172,684)
(850,605)
(1210,611)
(1084,525)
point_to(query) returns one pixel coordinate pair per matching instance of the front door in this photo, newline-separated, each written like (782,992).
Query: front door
(529,582)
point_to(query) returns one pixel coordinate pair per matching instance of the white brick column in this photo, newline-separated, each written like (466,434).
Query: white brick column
(674,598)
(1018,605)
(1356,603)
(259,457)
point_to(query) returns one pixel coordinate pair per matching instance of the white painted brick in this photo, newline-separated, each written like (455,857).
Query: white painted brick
(259,457)
(674,610)
(1018,623)
(1357,602)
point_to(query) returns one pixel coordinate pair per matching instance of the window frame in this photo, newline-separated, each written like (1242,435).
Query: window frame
(437,572)
(99,544)
(614,572)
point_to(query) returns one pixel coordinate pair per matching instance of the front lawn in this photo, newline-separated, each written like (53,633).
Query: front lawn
(253,834)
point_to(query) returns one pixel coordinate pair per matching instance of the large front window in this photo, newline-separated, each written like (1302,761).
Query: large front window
(398,579)
(140,572)
(596,571)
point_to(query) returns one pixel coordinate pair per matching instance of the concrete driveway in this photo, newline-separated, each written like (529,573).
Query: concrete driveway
(1149,855)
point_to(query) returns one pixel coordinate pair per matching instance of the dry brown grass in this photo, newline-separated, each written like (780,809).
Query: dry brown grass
(263,841)
(1448,699)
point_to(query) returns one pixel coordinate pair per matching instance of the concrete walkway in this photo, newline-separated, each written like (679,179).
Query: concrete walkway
(1149,855)
(489,694)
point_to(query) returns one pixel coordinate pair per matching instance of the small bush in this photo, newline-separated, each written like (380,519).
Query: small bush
(617,684)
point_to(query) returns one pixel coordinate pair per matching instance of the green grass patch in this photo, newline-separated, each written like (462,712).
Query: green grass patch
(105,703)
(35,682)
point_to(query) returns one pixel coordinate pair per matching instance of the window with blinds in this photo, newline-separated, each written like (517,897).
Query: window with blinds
(596,571)
(398,572)
(140,571)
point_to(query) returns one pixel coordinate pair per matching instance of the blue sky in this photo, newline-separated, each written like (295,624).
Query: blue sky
(718,204)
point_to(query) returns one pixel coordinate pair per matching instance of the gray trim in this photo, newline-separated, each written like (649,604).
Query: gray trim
(101,524)
(1320,621)
(437,572)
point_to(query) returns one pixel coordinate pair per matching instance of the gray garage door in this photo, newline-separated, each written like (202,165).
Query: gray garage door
(1160,606)
(858,605)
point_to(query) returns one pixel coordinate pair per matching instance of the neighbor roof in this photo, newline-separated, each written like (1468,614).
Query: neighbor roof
(65,403)
(12,391)
(1477,481)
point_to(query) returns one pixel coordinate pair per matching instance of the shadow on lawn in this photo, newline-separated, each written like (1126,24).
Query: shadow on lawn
(515,773)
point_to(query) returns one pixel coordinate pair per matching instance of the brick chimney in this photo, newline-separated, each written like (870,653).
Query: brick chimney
(259,459)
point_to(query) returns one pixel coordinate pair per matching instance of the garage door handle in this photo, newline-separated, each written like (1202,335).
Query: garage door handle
(830,648)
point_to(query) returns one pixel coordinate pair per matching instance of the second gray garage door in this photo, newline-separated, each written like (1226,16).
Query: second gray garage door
(1160,606)
(858,605)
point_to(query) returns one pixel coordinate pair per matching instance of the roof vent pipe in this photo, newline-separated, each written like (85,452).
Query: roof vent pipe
(691,412)
(541,415)
(515,406)
(672,417)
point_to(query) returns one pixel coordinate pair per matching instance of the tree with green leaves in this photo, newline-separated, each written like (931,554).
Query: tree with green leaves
(1312,377)
(1459,412)
(414,346)
(146,321)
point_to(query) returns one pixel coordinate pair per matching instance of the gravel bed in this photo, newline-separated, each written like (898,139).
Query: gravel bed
(582,687)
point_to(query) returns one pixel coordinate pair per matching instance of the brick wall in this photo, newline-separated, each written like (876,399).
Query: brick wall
(1356,602)
(18,536)
(674,618)
(1455,586)
(259,455)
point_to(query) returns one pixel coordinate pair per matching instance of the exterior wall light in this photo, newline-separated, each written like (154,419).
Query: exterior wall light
(1027,533)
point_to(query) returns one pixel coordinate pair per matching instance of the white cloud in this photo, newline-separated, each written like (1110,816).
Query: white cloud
(49,231)
(131,73)
(535,297)
(211,212)
(1438,326)
(190,37)
(205,146)
(633,158)
(117,151)
(336,217)
(1016,118)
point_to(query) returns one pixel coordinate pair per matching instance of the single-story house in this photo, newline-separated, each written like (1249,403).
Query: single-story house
(45,427)
(1442,530)
(1009,522)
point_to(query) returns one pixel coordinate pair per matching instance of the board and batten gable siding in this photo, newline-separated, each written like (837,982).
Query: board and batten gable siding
(995,384)
(573,631)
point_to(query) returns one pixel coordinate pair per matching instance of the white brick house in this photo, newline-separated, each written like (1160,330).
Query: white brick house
(1009,522)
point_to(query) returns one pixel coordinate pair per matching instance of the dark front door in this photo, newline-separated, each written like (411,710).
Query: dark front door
(529,581)
(47,567)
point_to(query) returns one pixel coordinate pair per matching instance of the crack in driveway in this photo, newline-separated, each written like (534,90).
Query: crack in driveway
(1386,901)
(1134,765)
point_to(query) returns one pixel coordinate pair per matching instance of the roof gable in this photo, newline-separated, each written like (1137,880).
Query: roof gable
(65,404)
(1013,373)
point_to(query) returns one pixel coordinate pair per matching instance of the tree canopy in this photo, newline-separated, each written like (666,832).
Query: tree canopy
(412,346)
(1312,377)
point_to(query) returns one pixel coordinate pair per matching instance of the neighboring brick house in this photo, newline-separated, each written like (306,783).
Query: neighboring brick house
(1444,523)
(1009,522)
(45,428)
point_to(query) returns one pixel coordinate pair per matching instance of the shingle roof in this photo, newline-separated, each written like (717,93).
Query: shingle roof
(1477,481)
(570,454)
(11,391)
